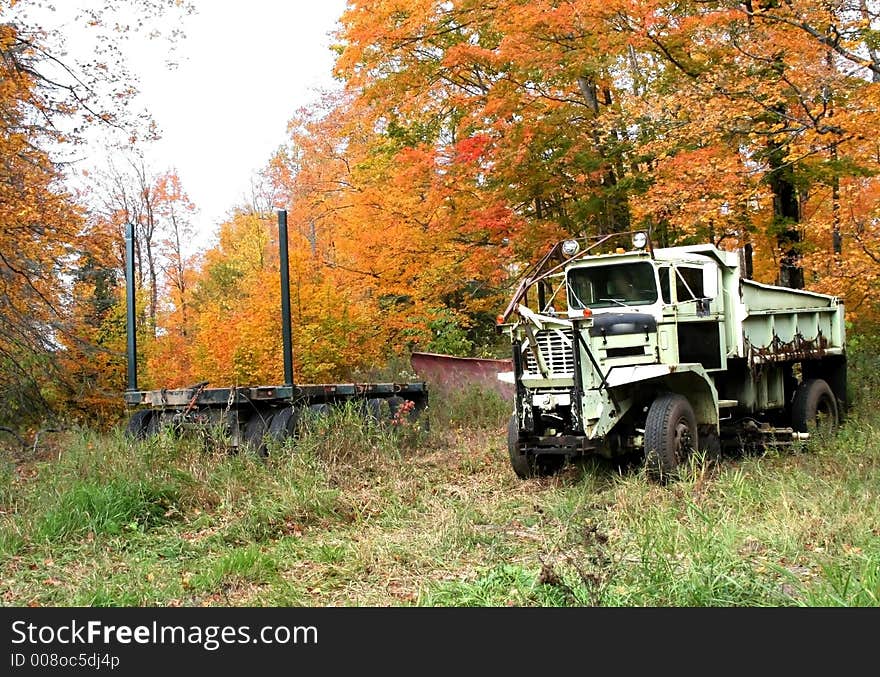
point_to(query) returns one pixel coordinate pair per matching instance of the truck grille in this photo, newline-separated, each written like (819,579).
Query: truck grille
(555,347)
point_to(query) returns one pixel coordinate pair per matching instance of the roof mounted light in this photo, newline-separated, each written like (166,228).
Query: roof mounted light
(640,239)
(570,247)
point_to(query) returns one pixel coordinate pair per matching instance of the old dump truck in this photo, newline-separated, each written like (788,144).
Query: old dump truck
(664,352)
(249,416)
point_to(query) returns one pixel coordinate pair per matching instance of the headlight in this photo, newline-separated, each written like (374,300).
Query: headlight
(640,239)
(570,247)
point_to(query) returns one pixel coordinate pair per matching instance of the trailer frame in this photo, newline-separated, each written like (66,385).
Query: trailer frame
(251,414)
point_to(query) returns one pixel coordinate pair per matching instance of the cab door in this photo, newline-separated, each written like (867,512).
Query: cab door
(699,314)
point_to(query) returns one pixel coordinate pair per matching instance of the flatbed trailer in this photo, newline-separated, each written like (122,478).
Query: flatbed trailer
(251,415)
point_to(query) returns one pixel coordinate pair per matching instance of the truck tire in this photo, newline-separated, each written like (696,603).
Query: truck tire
(814,407)
(138,424)
(526,466)
(670,435)
(522,465)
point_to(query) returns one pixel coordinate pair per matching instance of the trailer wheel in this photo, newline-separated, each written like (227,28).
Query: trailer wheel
(670,435)
(814,408)
(254,433)
(373,408)
(284,424)
(138,424)
(395,402)
(154,424)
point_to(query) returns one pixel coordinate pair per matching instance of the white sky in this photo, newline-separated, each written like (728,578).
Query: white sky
(245,68)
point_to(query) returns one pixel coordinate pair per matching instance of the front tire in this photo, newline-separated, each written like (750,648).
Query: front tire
(522,465)
(670,435)
(525,465)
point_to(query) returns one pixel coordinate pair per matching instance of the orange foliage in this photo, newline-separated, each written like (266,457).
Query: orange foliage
(469,136)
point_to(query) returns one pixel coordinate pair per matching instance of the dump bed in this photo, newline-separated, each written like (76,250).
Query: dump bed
(784,324)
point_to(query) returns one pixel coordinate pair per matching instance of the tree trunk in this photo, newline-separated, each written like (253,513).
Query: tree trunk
(786,216)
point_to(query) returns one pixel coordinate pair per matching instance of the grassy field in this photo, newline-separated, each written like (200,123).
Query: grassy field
(363,515)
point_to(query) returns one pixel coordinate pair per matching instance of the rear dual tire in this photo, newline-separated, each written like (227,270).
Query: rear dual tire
(814,408)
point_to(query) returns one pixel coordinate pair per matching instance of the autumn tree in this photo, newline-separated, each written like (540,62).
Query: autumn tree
(719,120)
(157,206)
(175,211)
(46,103)
(234,335)
(38,226)
(467,137)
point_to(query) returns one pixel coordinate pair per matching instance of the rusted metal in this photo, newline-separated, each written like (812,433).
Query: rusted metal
(237,397)
(449,373)
(799,348)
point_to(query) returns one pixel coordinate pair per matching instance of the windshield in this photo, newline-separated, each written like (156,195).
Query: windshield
(622,284)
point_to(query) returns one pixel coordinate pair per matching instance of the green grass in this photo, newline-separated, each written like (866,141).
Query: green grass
(361,514)
(110,508)
(472,407)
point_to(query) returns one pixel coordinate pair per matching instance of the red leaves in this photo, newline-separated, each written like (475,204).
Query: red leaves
(470,149)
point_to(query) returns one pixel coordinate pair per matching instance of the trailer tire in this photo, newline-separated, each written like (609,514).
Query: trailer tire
(374,408)
(154,424)
(138,424)
(254,434)
(284,424)
(814,407)
(395,402)
(670,435)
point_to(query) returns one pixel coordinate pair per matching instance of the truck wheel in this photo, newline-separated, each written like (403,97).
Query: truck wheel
(522,465)
(814,408)
(528,466)
(138,424)
(670,435)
